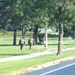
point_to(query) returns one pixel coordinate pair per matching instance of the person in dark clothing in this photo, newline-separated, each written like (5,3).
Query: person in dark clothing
(21,43)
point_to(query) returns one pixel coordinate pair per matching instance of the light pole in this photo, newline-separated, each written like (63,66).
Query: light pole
(46,24)
(46,42)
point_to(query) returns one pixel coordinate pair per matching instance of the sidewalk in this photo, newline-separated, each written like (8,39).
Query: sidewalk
(25,56)
(31,55)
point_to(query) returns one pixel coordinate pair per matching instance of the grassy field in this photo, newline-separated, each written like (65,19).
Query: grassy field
(7,50)
(11,67)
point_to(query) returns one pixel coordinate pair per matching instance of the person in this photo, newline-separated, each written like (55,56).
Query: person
(21,43)
(31,41)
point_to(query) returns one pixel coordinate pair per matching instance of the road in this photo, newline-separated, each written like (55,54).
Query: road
(64,68)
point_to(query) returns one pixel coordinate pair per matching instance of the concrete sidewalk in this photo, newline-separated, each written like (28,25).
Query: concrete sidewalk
(25,56)
(32,55)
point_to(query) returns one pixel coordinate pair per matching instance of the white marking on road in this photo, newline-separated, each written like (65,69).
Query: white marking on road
(58,69)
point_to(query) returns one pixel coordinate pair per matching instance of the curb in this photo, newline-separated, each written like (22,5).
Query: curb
(47,64)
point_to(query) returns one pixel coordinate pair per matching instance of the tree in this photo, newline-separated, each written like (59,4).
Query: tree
(65,17)
(35,14)
(60,9)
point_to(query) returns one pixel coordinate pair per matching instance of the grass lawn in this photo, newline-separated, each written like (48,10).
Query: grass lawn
(7,50)
(9,67)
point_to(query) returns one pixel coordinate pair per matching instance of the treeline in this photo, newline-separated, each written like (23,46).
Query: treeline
(33,14)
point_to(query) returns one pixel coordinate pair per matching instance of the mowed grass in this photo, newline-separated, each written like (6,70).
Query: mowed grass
(7,49)
(22,65)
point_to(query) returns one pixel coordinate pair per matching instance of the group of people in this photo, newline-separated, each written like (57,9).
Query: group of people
(22,42)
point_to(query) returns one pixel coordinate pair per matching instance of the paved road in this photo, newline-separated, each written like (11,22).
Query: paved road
(65,68)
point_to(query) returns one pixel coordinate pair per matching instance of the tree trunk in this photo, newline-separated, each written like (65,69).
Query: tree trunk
(60,9)
(60,39)
(14,36)
(23,31)
(35,34)
(73,32)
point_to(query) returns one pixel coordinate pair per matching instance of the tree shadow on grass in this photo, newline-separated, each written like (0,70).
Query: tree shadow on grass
(8,45)
(53,44)
(68,44)
(12,54)
(62,44)
(11,45)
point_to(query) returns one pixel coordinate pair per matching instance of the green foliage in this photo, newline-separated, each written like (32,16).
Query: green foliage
(30,13)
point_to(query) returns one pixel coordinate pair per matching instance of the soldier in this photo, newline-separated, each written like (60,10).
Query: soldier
(21,43)
(31,41)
